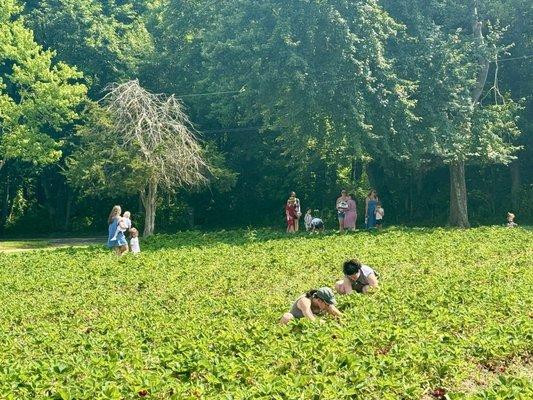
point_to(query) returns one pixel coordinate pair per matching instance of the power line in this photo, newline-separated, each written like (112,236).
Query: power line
(228,130)
(244,89)
(515,58)
(212,93)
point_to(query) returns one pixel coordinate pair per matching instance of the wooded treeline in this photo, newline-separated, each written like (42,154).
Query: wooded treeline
(428,101)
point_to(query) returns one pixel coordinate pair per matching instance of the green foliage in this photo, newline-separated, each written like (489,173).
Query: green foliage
(99,165)
(37,97)
(441,54)
(107,40)
(196,316)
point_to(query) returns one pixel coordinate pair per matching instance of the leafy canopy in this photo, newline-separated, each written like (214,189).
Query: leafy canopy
(37,97)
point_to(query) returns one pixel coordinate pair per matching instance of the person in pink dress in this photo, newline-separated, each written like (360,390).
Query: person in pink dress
(350,217)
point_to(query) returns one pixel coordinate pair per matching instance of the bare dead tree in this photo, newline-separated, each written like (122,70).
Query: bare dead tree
(156,126)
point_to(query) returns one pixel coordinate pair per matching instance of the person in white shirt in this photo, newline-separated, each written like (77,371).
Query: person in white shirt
(357,277)
(134,241)
(124,224)
(317,225)
(307,220)
(510,220)
(380,213)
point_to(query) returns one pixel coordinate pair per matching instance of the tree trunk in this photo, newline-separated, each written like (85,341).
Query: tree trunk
(516,185)
(458,198)
(148,198)
(48,197)
(190,216)
(68,210)
(5,204)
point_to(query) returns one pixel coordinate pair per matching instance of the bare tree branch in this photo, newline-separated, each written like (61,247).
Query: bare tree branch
(161,130)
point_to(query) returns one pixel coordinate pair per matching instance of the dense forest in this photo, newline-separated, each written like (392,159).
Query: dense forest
(430,102)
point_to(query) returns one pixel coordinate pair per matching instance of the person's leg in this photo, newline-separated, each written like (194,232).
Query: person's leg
(296,224)
(365,289)
(123,249)
(341,224)
(286,318)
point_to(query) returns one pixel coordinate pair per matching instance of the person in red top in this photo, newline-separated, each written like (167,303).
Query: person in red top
(291,214)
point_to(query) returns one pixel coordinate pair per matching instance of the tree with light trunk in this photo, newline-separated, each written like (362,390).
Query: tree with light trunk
(138,141)
(449,55)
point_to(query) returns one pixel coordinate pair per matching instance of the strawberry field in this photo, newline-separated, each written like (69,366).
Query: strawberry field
(196,316)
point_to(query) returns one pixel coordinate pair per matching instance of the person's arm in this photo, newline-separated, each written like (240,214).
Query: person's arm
(123,224)
(366,207)
(334,311)
(372,280)
(372,284)
(347,285)
(304,304)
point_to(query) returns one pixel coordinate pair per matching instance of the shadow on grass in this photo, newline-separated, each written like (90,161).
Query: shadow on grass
(241,237)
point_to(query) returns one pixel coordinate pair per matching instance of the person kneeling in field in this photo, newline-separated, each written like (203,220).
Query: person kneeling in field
(311,303)
(358,277)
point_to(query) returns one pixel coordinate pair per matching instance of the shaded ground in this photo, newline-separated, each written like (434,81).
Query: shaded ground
(11,246)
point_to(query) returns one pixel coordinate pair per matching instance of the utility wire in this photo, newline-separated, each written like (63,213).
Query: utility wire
(243,89)
(515,58)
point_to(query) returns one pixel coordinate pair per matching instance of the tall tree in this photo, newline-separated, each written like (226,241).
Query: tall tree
(306,84)
(448,51)
(106,39)
(37,97)
(152,136)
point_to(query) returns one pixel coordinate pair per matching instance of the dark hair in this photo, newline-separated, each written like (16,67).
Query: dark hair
(351,267)
(312,293)
(372,191)
(352,195)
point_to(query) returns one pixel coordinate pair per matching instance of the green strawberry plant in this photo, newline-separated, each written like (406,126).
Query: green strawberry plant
(195,316)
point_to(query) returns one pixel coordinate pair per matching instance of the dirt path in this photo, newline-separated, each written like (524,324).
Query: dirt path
(13,246)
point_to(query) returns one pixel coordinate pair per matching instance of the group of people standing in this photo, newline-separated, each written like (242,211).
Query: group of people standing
(346,208)
(119,226)
(293,212)
(347,211)
(358,278)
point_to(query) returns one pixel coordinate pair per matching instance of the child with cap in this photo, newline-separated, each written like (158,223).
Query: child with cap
(308,305)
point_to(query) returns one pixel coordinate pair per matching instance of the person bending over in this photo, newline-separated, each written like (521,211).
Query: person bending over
(357,277)
(308,305)
(317,225)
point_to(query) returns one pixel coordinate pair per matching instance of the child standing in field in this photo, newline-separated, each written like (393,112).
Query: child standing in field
(380,213)
(124,225)
(510,220)
(134,241)
(290,214)
(307,220)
